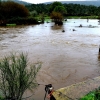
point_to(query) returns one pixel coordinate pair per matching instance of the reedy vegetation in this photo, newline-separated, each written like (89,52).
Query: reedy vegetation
(16,76)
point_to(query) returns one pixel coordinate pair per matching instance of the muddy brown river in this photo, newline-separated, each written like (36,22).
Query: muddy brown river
(67,57)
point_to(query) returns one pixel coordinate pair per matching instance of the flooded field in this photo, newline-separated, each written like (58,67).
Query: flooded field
(67,57)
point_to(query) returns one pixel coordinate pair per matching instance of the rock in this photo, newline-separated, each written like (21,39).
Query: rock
(80,25)
(74,30)
(63,30)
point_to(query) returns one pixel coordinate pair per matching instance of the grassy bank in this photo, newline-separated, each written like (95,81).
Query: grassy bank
(18,21)
(72,17)
(82,17)
(47,18)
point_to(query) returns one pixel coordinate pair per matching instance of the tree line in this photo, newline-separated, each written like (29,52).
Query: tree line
(72,9)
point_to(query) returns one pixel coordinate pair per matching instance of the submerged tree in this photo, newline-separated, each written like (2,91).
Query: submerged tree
(15,77)
(57,17)
(57,11)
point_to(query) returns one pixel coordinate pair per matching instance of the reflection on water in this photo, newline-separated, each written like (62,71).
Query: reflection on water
(67,57)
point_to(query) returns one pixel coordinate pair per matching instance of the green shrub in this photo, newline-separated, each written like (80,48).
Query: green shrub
(16,76)
(1,98)
(89,96)
(94,95)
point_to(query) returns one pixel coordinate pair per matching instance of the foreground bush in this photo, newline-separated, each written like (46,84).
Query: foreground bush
(16,76)
(93,95)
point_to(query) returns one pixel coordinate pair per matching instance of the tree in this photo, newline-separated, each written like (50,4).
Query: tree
(57,10)
(11,9)
(15,77)
(42,17)
(33,13)
(60,9)
(56,16)
(53,5)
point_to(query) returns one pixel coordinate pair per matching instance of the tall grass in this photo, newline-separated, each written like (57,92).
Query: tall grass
(15,77)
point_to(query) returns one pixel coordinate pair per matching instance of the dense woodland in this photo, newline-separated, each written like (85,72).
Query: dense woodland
(72,9)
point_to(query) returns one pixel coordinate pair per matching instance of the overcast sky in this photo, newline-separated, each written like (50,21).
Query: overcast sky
(42,1)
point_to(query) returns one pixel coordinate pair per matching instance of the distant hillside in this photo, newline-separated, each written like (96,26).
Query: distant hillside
(19,1)
(94,3)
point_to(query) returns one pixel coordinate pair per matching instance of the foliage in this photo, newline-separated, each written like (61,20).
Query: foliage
(56,15)
(20,21)
(16,76)
(57,10)
(99,17)
(60,9)
(93,95)
(39,8)
(53,5)
(11,9)
(89,96)
(33,13)
(1,98)
(71,9)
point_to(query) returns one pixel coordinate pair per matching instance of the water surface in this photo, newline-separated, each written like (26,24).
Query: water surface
(67,57)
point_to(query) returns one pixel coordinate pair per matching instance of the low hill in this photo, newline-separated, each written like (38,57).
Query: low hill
(19,1)
(94,3)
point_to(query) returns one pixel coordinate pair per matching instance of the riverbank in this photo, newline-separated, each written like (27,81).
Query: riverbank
(19,21)
(78,90)
(82,17)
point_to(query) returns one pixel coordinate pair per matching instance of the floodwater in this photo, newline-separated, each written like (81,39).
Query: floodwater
(67,57)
